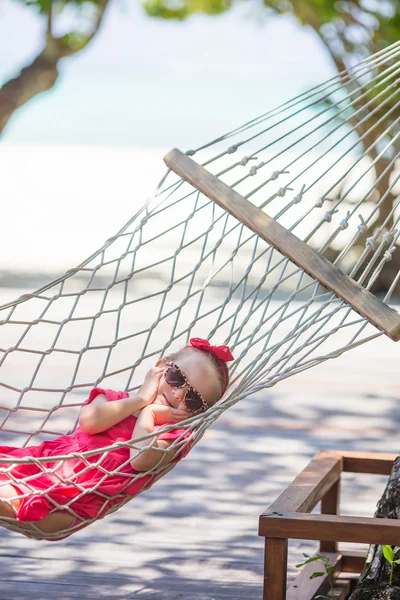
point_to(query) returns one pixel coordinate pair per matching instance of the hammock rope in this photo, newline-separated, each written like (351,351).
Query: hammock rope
(183,266)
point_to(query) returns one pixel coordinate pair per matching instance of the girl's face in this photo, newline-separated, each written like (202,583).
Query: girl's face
(201,375)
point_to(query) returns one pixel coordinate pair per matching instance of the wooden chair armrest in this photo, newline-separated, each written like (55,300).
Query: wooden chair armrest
(337,528)
(309,487)
(374,463)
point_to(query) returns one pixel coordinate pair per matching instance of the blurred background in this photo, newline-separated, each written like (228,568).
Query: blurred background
(95,92)
(83,137)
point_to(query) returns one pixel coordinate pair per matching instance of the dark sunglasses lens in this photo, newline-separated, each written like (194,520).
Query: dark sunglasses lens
(174,377)
(193,401)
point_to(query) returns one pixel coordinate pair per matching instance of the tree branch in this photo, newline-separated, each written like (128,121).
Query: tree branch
(49,34)
(42,73)
(67,49)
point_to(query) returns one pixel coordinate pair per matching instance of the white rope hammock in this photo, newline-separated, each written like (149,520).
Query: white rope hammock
(184,266)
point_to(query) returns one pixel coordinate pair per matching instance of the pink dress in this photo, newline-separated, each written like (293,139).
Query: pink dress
(101,492)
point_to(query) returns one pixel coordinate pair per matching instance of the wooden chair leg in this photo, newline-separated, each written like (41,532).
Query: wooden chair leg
(330,506)
(275,569)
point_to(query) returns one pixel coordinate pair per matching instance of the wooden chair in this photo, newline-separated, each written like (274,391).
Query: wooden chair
(289,518)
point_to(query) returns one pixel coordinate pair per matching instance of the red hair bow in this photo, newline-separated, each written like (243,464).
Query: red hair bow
(221,352)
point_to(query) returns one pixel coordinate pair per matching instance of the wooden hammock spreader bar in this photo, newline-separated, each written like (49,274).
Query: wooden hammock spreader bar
(361,300)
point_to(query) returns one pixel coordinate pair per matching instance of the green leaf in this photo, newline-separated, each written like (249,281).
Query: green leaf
(45,6)
(313,559)
(388,553)
(317,574)
(397,561)
(310,559)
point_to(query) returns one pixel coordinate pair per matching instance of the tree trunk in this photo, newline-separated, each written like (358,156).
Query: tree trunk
(374,580)
(384,219)
(38,77)
(42,73)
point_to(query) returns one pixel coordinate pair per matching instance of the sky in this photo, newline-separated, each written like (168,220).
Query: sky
(143,81)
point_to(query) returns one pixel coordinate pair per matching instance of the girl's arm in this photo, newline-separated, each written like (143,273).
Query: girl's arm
(101,414)
(152,415)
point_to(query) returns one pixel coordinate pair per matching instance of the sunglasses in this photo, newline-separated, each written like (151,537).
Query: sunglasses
(194,402)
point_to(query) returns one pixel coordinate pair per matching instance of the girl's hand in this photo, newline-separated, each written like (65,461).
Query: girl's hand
(148,391)
(165,414)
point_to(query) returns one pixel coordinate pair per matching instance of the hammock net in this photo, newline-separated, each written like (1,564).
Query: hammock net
(325,165)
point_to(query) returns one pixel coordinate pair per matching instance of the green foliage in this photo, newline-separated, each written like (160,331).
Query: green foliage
(328,571)
(357,23)
(389,554)
(387,551)
(310,559)
(306,12)
(74,40)
(317,574)
(181,9)
(44,6)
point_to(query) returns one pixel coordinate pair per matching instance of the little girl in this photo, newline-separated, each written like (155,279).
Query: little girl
(177,387)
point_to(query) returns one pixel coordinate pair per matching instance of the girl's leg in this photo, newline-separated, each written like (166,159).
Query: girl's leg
(55,522)
(51,524)
(9,501)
